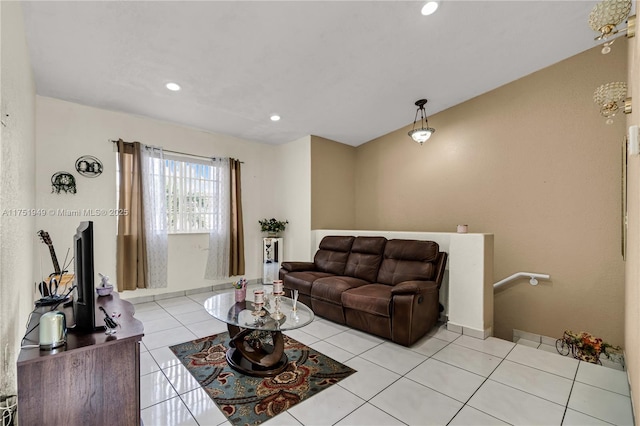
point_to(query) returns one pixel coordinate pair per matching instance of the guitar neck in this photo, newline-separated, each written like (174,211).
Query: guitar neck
(54,259)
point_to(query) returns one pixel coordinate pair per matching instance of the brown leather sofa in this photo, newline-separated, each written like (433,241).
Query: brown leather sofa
(384,287)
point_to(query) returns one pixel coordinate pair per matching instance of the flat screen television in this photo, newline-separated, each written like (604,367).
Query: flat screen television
(84,299)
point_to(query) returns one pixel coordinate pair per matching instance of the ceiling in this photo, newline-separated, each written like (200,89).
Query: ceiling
(349,71)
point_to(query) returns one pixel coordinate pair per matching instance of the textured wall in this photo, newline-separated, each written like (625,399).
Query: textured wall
(17,168)
(533,163)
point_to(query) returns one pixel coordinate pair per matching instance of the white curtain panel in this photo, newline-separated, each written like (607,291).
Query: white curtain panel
(155,215)
(218,259)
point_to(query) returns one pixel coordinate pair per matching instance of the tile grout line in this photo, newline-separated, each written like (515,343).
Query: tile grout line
(171,366)
(482,384)
(366,401)
(581,412)
(401,376)
(539,369)
(573,383)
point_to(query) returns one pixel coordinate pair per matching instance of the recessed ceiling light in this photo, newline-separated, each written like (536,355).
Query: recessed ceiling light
(275,117)
(429,8)
(173,87)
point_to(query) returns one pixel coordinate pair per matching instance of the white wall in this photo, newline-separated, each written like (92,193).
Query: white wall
(65,131)
(17,167)
(292,192)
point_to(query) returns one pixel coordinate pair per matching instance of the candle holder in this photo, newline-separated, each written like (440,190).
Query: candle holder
(277,287)
(277,314)
(294,297)
(257,310)
(258,303)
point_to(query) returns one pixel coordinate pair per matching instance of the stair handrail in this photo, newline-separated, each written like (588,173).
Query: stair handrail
(533,278)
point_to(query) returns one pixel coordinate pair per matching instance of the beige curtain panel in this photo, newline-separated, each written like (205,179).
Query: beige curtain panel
(131,258)
(236,234)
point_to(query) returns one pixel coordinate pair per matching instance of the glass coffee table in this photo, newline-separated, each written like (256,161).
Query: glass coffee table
(257,345)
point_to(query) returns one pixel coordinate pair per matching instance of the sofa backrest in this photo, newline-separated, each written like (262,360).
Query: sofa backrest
(333,253)
(365,257)
(406,260)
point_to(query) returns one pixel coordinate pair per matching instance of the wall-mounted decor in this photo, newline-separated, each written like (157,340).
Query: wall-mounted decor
(612,98)
(63,181)
(89,166)
(605,18)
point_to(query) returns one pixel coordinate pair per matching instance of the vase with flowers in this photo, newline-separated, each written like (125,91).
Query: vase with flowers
(585,347)
(240,288)
(273,226)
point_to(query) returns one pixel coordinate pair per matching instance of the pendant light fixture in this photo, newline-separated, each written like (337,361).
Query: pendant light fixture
(422,134)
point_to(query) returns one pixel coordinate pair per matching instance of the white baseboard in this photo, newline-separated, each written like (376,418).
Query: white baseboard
(468,331)
(172,294)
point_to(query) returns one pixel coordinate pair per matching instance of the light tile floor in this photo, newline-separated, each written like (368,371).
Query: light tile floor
(444,379)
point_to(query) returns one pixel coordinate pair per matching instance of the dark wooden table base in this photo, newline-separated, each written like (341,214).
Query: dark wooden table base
(254,356)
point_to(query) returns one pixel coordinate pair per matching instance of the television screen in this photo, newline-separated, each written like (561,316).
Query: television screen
(84,306)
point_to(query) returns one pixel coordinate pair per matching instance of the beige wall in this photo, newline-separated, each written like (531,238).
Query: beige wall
(17,167)
(332,184)
(533,163)
(632,286)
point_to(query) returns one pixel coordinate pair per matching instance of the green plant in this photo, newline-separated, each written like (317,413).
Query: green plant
(272,225)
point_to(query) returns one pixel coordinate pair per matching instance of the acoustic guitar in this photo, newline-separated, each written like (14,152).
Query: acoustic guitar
(61,276)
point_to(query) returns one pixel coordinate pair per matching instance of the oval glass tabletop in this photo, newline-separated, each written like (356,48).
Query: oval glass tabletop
(243,314)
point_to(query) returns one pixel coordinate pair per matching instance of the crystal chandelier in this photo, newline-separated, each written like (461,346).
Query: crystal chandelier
(611,98)
(606,15)
(422,134)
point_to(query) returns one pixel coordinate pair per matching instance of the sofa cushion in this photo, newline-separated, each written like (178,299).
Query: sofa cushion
(365,257)
(332,254)
(371,298)
(407,260)
(330,289)
(298,266)
(302,281)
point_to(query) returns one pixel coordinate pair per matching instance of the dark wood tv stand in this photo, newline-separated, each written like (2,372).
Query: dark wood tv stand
(93,380)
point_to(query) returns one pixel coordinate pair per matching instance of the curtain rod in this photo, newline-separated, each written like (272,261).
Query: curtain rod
(178,152)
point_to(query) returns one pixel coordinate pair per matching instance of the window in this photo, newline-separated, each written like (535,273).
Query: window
(193,193)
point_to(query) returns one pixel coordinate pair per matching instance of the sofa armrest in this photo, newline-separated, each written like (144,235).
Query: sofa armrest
(298,266)
(414,287)
(414,310)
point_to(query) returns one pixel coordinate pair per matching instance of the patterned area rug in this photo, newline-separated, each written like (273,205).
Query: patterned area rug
(247,400)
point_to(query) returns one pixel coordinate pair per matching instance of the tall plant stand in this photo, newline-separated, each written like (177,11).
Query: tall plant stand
(272,249)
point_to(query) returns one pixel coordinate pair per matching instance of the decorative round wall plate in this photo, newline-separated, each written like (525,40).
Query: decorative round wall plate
(89,166)
(63,181)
